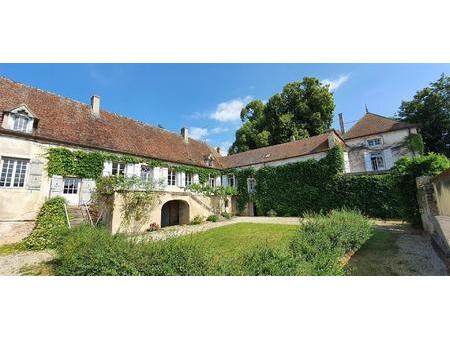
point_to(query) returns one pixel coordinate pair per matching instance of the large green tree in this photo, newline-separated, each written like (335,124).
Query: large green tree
(430,110)
(304,108)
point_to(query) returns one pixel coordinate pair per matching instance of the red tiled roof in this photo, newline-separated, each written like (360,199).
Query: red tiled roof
(371,124)
(70,122)
(278,152)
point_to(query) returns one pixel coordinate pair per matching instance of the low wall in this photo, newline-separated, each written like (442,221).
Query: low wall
(198,205)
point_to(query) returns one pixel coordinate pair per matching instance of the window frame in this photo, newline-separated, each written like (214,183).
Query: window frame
(251,185)
(188,179)
(171,177)
(146,173)
(119,171)
(13,173)
(374,160)
(211,181)
(373,139)
(233,179)
(72,189)
(25,120)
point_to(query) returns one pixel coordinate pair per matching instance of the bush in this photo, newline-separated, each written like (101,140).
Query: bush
(271,213)
(213,218)
(90,251)
(405,172)
(322,241)
(50,226)
(226,215)
(197,220)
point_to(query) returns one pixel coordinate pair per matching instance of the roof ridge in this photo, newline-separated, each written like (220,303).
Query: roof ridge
(102,110)
(385,117)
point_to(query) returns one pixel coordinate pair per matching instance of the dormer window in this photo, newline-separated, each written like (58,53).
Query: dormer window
(209,160)
(21,122)
(20,119)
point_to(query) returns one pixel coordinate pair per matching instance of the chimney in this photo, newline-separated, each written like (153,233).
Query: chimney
(218,150)
(341,123)
(95,106)
(185,134)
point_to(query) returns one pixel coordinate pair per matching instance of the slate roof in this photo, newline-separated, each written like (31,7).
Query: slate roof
(371,124)
(70,122)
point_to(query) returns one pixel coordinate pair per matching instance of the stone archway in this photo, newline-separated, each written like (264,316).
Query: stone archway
(174,212)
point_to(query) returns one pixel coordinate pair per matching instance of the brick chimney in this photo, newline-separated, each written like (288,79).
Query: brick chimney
(95,106)
(185,134)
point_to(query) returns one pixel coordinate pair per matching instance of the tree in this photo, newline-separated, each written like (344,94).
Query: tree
(304,108)
(430,110)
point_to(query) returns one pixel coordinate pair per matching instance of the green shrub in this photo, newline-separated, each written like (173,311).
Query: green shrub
(213,218)
(322,241)
(90,251)
(405,172)
(226,215)
(50,226)
(197,220)
(271,213)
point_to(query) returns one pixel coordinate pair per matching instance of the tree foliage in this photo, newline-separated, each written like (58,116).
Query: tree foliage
(430,109)
(304,108)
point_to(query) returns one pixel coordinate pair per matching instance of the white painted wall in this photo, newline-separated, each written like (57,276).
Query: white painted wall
(316,156)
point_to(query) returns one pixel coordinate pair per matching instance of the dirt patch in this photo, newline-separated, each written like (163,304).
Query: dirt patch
(13,265)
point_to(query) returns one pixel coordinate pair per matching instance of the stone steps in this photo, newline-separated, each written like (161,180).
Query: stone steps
(76,215)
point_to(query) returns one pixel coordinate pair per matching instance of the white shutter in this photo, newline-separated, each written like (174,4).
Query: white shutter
(137,170)
(10,121)
(218,182)
(183,179)
(388,158)
(225,180)
(30,125)
(178,179)
(346,163)
(87,187)
(196,179)
(35,174)
(156,175)
(164,175)
(107,168)
(129,169)
(56,186)
(367,161)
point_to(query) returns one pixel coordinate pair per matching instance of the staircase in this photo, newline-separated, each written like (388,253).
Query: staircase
(77,215)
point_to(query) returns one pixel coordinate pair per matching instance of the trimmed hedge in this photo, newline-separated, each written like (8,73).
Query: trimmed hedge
(50,226)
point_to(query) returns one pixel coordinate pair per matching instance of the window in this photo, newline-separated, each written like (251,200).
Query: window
(146,173)
(374,142)
(13,172)
(251,185)
(70,186)
(377,161)
(171,177)
(188,179)
(118,169)
(21,122)
(212,181)
(231,181)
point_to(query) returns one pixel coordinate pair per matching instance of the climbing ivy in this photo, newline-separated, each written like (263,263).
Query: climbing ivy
(84,164)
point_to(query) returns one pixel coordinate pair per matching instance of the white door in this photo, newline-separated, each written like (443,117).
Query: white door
(71,190)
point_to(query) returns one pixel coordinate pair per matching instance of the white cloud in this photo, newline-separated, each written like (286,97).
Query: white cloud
(335,84)
(198,133)
(230,110)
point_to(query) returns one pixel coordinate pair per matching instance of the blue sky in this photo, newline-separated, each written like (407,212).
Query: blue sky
(207,98)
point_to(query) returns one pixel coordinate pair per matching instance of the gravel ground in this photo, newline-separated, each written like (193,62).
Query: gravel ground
(11,265)
(178,230)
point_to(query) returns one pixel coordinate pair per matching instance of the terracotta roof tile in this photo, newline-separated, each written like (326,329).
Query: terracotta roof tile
(68,121)
(371,124)
(277,152)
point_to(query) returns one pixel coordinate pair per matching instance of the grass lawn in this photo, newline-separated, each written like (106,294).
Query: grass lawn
(377,257)
(8,249)
(229,242)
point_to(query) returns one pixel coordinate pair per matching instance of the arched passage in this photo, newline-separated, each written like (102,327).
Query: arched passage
(174,212)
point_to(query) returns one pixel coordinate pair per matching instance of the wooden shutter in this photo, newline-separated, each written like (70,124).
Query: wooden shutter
(107,168)
(225,180)
(56,186)
(35,174)
(87,187)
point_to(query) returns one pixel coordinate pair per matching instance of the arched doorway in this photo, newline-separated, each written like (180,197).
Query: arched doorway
(174,212)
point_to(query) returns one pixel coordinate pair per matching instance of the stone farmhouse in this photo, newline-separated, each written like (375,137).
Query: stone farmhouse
(32,121)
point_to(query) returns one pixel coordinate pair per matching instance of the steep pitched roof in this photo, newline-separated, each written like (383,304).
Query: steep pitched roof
(70,122)
(371,124)
(278,152)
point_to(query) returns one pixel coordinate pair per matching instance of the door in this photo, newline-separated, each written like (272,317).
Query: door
(71,190)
